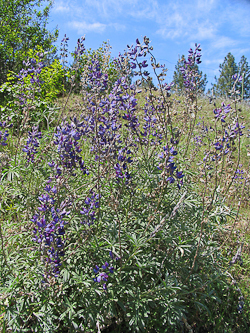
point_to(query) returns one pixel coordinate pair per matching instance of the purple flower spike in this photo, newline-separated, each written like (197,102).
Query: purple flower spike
(111,254)
(96,269)
(49,227)
(234,77)
(32,144)
(91,203)
(51,164)
(179,174)
(4,135)
(170,168)
(105,265)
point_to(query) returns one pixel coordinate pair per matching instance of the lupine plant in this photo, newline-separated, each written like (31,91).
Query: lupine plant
(4,133)
(118,218)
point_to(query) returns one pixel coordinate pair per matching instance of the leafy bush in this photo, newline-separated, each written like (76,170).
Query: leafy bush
(33,90)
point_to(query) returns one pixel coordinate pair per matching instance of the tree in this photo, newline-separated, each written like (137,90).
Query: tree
(178,77)
(225,82)
(22,27)
(244,72)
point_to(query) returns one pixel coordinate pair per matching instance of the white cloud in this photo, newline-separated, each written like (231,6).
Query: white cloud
(61,7)
(205,5)
(109,8)
(204,31)
(244,50)
(145,10)
(174,26)
(192,20)
(213,61)
(224,42)
(118,27)
(84,27)
(237,16)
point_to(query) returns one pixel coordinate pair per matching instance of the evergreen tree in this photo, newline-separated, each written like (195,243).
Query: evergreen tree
(244,72)
(225,82)
(22,27)
(178,77)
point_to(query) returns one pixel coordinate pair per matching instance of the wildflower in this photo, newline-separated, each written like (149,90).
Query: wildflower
(4,135)
(104,275)
(32,144)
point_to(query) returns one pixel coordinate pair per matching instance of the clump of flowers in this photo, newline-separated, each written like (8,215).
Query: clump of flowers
(189,71)
(32,70)
(4,134)
(221,113)
(168,166)
(91,203)
(49,230)
(102,274)
(231,129)
(151,133)
(67,139)
(32,144)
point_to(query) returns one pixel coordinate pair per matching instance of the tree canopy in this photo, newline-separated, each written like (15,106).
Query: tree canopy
(225,82)
(244,72)
(228,69)
(22,27)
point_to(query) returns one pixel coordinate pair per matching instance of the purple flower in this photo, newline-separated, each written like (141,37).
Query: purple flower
(168,164)
(105,265)
(179,174)
(32,144)
(50,227)
(234,77)
(96,269)
(51,164)
(170,180)
(91,202)
(102,276)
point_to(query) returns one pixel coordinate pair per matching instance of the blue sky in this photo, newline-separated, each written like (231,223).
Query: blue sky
(173,26)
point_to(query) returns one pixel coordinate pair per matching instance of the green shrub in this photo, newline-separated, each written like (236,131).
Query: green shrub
(32,101)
